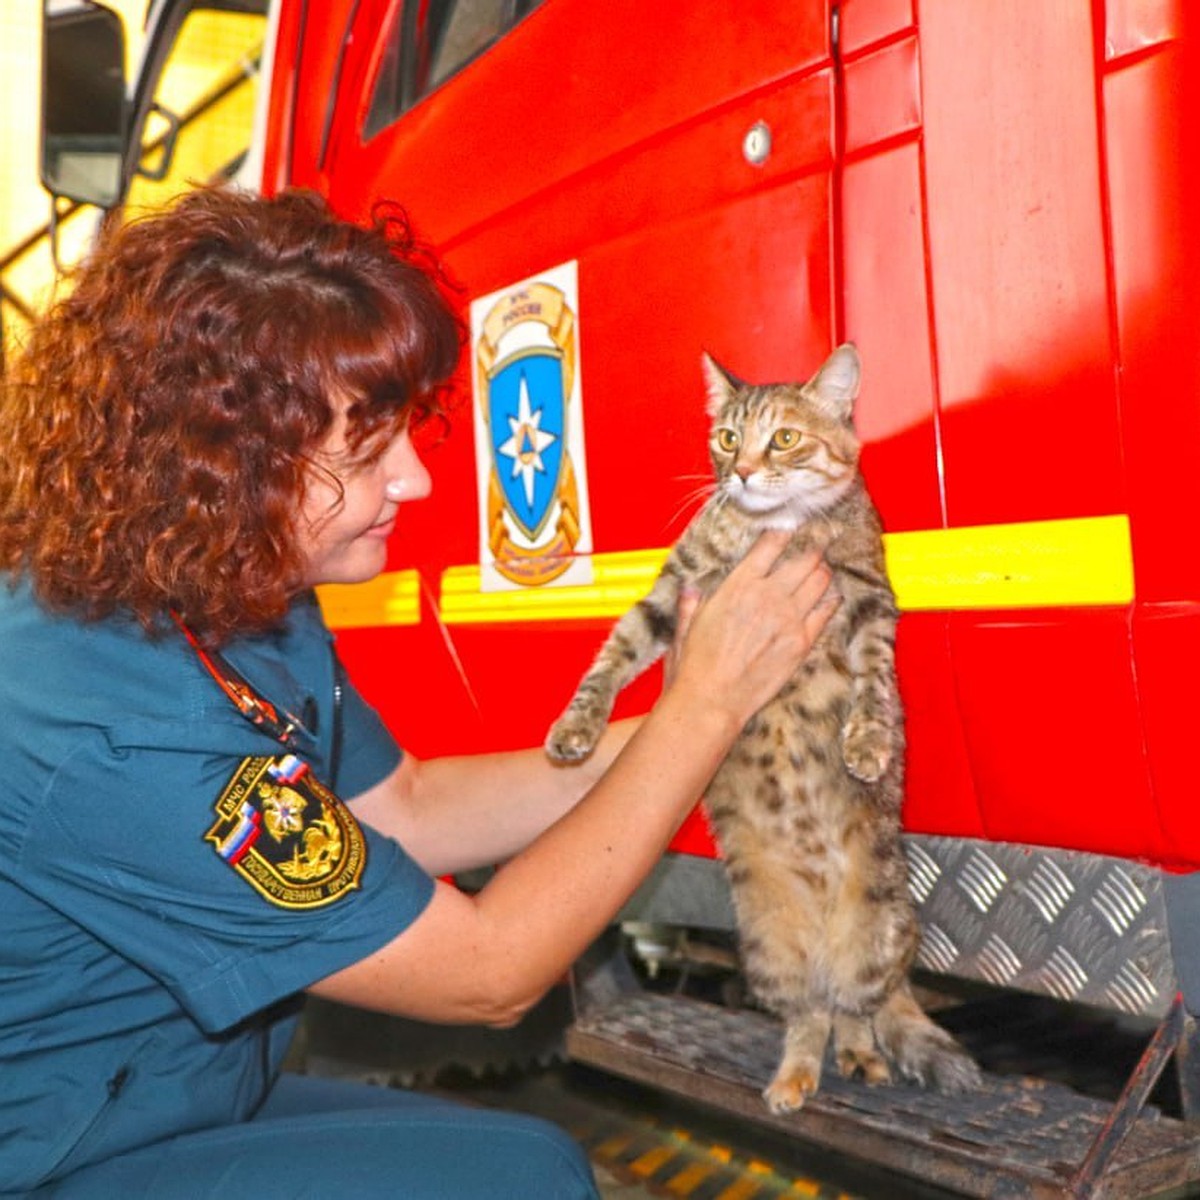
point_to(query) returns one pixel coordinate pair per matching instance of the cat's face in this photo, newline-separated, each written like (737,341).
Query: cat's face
(785,452)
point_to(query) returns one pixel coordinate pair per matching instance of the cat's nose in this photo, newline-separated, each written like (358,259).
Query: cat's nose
(744,471)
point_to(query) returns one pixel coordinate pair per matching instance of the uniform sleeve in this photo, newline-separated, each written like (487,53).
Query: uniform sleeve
(369,752)
(233,881)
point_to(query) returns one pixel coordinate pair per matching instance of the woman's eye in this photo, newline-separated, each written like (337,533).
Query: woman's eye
(728,440)
(785,439)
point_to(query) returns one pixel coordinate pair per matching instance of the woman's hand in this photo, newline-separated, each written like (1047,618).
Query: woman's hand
(743,643)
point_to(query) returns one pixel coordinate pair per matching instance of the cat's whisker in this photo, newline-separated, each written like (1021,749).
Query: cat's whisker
(702,492)
(696,494)
(722,498)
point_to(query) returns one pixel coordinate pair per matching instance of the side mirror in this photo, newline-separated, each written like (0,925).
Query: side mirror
(84,109)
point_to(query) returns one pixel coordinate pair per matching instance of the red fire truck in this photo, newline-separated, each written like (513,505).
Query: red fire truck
(1000,204)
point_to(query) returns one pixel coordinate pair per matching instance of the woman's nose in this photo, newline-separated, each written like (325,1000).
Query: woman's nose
(408,477)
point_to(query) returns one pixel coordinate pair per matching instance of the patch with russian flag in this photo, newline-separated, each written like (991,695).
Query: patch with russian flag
(286,834)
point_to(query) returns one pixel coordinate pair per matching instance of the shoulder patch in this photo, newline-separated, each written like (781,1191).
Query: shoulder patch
(286,834)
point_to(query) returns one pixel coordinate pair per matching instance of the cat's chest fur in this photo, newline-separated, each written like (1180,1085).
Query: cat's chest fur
(785,776)
(847,540)
(717,540)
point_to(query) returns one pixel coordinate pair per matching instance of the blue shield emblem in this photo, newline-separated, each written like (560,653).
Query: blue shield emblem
(526,419)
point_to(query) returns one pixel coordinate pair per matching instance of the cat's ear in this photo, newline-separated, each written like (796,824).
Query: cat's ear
(835,385)
(721,384)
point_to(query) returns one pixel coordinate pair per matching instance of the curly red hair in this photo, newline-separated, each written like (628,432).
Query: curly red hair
(156,433)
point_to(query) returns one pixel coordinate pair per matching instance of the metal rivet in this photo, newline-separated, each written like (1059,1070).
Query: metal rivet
(756,145)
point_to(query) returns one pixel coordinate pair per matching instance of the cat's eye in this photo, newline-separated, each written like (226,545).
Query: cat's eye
(785,439)
(727,440)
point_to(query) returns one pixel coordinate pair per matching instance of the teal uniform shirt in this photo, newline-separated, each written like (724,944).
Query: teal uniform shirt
(170,878)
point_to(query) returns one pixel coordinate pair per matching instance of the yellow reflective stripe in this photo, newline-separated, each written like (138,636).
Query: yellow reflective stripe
(393,598)
(618,581)
(1030,564)
(1033,564)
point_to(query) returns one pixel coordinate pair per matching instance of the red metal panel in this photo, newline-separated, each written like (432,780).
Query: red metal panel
(696,836)
(883,95)
(308,53)
(1051,719)
(683,287)
(567,91)
(1018,257)
(470,689)
(1153,156)
(887,314)
(868,21)
(1134,25)
(277,136)
(940,792)
(626,196)
(729,257)
(1167,643)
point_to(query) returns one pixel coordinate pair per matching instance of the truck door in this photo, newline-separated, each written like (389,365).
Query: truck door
(681,159)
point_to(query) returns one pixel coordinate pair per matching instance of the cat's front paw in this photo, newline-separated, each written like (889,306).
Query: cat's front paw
(866,750)
(571,739)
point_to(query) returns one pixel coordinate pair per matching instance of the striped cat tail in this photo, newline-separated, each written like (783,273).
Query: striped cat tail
(921,1050)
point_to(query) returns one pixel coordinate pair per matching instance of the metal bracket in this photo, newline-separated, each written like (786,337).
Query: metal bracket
(1125,1111)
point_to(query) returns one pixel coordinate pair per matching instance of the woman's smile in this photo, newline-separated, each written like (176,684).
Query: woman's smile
(350,509)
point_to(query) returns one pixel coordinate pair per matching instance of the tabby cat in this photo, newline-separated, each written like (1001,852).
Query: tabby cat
(806,805)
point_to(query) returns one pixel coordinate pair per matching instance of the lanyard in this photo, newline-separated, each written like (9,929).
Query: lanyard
(259,711)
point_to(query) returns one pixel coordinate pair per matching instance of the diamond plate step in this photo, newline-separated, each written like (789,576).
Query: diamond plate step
(1080,927)
(1014,1138)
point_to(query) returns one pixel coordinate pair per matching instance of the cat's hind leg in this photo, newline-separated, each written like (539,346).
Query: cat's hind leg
(778,929)
(777,926)
(856,1054)
(799,1072)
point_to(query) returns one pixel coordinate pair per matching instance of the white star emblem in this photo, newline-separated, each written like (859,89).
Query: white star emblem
(527,442)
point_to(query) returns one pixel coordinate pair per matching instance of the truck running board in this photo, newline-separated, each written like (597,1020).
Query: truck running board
(1016,1137)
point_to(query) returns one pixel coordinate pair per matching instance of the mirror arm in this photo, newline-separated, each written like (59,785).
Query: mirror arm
(167,144)
(52,230)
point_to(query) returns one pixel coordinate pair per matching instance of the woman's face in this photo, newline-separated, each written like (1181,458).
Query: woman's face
(344,538)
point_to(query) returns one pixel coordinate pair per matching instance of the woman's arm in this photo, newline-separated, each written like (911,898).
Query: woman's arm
(489,957)
(476,810)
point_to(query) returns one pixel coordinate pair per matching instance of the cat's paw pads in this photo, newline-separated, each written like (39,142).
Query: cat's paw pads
(866,750)
(868,1065)
(570,740)
(787,1092)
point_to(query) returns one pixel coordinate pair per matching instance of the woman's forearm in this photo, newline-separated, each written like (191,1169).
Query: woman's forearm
(452,814)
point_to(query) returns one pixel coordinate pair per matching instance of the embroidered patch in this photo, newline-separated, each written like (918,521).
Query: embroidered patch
(287,834)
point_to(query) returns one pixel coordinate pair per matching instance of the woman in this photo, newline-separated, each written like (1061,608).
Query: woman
(202,820)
